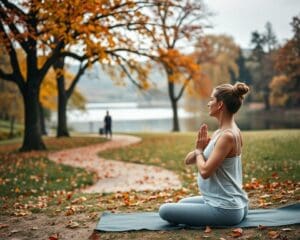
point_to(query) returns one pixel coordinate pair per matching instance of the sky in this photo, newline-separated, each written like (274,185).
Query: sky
(238,18)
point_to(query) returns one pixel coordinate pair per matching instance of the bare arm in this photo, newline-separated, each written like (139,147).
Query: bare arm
(190,158)
(221,150)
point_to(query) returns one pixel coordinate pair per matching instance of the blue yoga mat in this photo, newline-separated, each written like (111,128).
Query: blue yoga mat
(119,222)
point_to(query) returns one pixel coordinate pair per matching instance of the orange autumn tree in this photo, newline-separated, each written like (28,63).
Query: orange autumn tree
(285,88)
(109,37)
(53,29)
(173,27)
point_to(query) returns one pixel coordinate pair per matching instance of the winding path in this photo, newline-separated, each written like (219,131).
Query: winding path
(114,176)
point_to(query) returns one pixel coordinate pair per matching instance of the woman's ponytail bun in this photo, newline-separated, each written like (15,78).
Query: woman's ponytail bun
(240,89)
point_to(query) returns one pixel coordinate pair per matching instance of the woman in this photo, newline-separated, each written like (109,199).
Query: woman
(223,201)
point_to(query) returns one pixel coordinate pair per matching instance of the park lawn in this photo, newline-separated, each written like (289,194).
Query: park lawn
(32,174)
(271,164)
(271,170)
(266,156)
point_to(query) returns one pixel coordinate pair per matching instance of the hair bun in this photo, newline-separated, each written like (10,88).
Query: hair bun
(240,89)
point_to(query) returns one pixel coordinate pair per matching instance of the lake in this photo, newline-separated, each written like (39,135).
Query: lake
(129,117)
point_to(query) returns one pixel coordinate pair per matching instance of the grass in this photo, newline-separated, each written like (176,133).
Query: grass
(271,164)
(32,182)
(33,174)
(5,130)
(265,153)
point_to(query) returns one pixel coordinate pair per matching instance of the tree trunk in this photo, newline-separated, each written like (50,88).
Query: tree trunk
(174,106)
(266,99)
(62,129)
(42,117)
(175,116)
(32,137)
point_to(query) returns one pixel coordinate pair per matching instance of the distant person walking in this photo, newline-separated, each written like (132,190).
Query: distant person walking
(108,125)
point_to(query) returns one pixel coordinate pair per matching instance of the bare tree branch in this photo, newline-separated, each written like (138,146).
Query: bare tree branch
(78,75)
(186,83)
(49,62)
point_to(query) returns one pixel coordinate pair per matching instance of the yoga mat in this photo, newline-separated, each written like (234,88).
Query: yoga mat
(119,222)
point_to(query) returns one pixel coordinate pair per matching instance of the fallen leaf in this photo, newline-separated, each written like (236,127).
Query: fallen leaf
(273,234)
(69,212)
(15,231)
(3,225)
(72,224)
(207,229)
(237,232)
(54,236)
(79,200)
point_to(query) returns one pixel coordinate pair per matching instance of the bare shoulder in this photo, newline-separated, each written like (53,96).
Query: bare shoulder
(226,138)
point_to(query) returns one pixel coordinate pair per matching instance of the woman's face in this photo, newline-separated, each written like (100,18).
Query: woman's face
(213,105)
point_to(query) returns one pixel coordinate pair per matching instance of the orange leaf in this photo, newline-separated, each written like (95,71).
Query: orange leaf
(54,236)
(237,232)
(273,234)
(207,229)
(3,225)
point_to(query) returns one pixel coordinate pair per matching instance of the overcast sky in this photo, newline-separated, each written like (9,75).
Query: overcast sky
(239,18)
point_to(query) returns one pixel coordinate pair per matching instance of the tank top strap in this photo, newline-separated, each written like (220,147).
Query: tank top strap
(235,137)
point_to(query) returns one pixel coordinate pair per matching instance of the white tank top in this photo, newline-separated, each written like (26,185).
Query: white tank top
(224,187)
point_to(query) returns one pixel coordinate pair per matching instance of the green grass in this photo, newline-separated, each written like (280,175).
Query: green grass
(36,176)
(29,180)
(271,164)
(24,174)
(264,153)
(5,130)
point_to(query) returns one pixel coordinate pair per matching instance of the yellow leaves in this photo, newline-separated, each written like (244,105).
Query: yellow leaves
(180,68)
(278,95)
(218,54)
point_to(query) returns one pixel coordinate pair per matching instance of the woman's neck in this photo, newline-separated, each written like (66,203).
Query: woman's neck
(226,121)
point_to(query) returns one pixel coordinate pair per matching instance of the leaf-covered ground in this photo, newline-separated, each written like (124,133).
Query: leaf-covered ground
(40,199)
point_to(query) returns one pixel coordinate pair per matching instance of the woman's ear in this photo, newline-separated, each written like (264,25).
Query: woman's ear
(220,105)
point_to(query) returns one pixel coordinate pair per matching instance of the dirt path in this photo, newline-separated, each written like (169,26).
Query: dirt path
(116,175)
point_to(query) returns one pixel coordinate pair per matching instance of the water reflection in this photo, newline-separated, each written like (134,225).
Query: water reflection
(246,121)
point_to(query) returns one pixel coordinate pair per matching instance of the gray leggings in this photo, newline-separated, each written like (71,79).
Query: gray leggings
(194,211)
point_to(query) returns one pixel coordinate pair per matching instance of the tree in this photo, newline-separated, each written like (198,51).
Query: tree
(262,61)
(117,23)
(51,28)
(287,84)
(175,24)
(270,38)
(217,55)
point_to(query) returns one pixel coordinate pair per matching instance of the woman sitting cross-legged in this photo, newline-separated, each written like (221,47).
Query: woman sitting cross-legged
(218,161)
